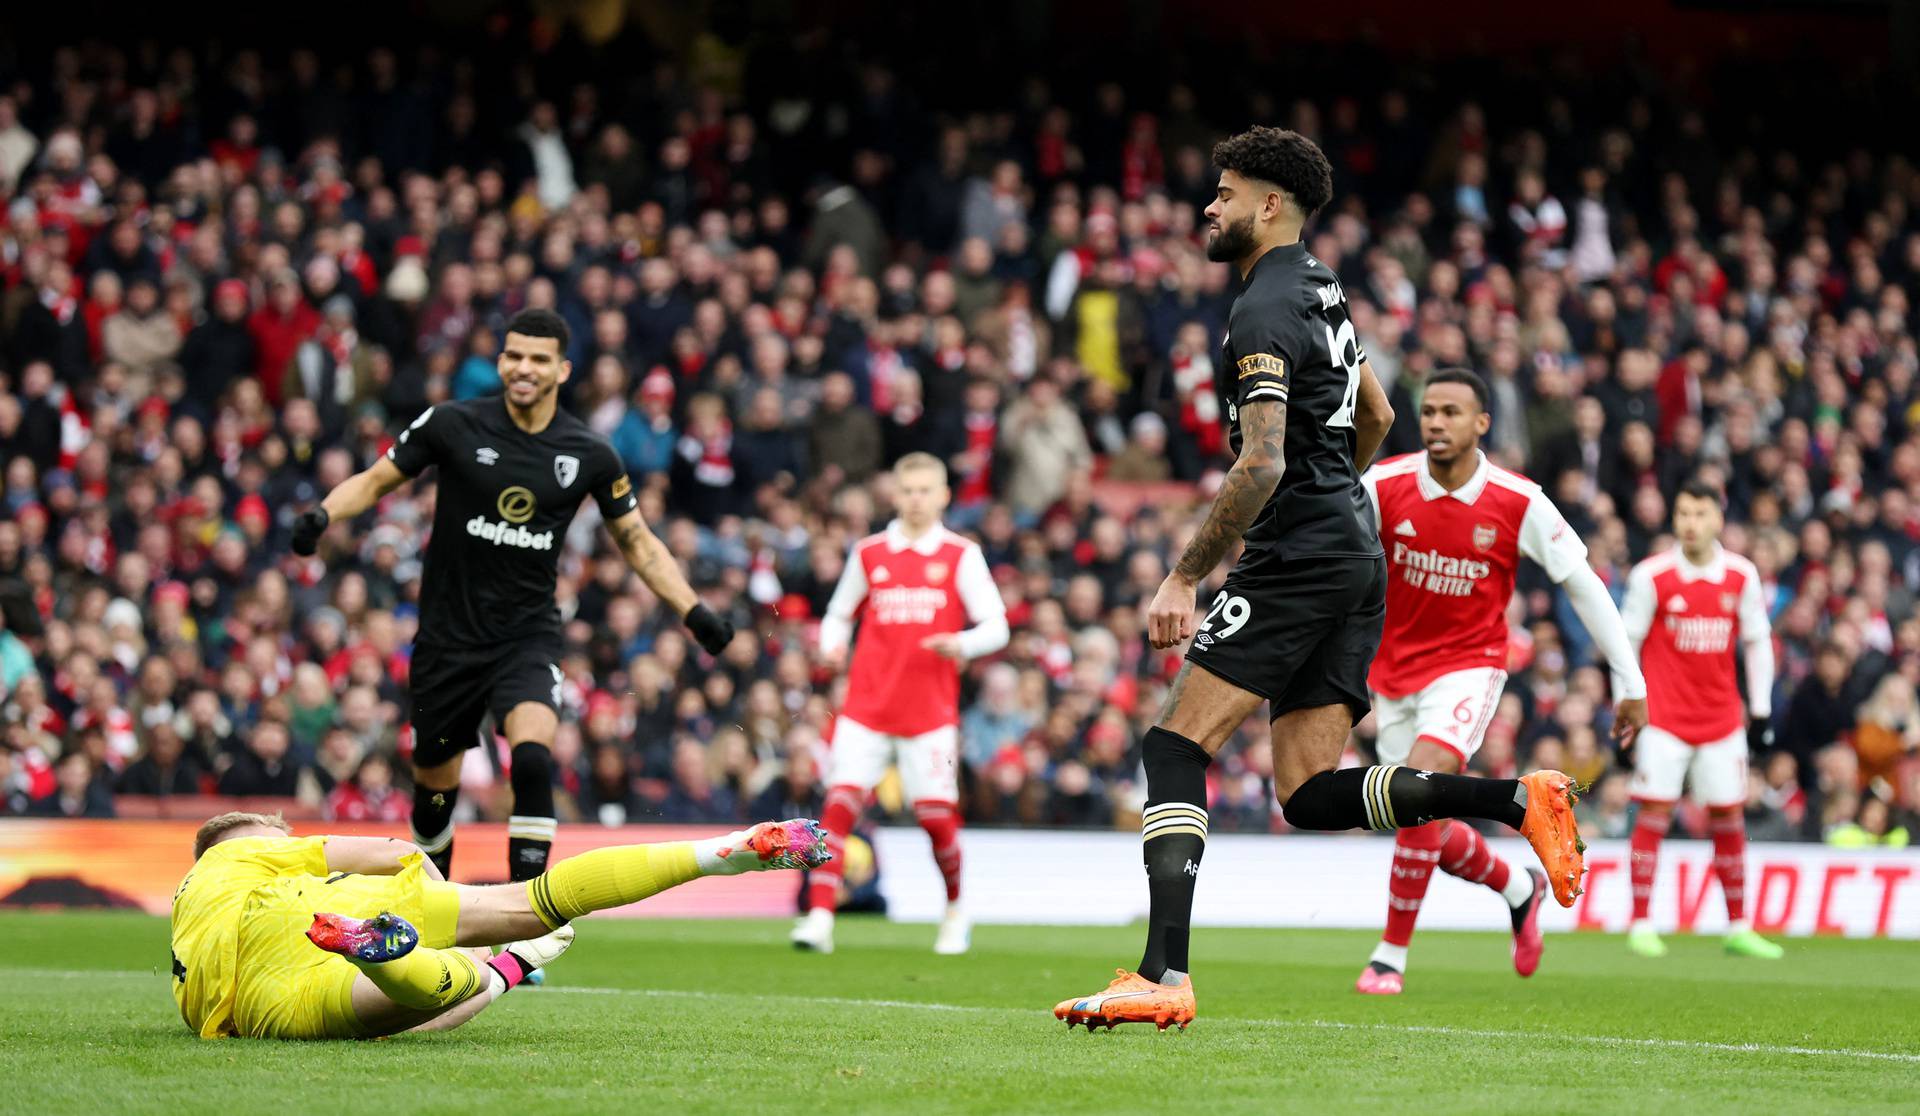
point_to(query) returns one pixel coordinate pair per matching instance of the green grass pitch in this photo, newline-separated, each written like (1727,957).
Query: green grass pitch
(723,1017)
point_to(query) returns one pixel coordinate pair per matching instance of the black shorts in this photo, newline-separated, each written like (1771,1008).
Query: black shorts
(453,690)
(1300,633)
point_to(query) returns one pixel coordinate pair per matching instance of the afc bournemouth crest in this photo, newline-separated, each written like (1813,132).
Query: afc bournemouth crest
(936,572)
(1484,535)
(565,468)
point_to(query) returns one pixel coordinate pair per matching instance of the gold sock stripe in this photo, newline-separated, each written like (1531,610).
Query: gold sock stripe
(1154,826)
(1378,803)
(1171,830)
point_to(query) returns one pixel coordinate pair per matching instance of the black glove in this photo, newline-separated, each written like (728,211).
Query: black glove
(1760,736)
(712,630)
(308,526)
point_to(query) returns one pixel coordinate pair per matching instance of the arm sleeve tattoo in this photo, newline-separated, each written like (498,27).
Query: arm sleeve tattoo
(1249,484)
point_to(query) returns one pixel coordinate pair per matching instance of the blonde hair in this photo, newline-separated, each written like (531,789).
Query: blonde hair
(217,827)
(919,460)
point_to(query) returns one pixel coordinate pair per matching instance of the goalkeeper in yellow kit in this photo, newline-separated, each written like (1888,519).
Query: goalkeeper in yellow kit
(277,936)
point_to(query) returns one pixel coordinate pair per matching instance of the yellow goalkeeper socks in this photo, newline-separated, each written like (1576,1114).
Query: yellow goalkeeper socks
(610,877)
(426,978)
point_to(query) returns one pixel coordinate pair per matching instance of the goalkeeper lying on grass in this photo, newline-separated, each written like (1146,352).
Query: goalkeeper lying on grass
(277,936)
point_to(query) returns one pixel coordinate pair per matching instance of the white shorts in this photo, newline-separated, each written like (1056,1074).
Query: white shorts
(1716,772)
(1453,711)
(929,763)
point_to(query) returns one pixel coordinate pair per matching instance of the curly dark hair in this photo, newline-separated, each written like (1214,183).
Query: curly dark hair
(1283,157)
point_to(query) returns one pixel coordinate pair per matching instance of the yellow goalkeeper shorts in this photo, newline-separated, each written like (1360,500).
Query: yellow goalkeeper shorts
(288,988)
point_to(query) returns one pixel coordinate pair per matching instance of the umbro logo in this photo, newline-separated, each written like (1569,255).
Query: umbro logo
(1405,527)
(1676,603)
(486,455)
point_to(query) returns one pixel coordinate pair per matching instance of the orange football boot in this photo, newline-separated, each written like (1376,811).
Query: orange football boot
(1550,827)
(1131,998)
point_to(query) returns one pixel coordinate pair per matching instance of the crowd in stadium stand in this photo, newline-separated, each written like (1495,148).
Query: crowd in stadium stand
(225,283)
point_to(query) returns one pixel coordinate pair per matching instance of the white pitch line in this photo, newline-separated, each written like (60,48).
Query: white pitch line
(1545,1037)
(1284,1024)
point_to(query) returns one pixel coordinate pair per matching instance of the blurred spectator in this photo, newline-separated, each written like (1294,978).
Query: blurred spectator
(78,792)
(166,769)
(264,767)
(370,795)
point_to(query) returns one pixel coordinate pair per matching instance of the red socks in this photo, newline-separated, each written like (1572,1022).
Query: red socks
(844,804)
(1415,851)
(941,820)
(1648,828)
(1465,856)
(1728,826)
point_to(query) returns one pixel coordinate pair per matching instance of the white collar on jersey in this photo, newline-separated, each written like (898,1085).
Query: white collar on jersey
(1467,493)
(926,544)
(1714,570)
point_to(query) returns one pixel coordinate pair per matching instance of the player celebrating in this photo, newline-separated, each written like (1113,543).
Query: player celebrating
(513,471)
(1683,609)
(916,587)
(1299,617)
(258,900)
(1455,526)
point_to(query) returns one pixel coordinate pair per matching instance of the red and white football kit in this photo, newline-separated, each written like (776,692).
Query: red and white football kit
(1451,562)
(903,700)
(1687,620)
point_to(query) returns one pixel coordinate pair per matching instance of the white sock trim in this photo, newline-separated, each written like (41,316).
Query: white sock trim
(435,843)
(1390,955)
(532,827)
(1519,888)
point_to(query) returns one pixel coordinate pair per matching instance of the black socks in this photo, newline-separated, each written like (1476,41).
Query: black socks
(1395,797)
(1173,834)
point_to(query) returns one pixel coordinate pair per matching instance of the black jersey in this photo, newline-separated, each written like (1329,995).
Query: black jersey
(505,499)
(1289,339)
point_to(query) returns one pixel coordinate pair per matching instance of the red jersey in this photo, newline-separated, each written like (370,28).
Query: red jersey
(1451,561)
(1688,620)
(902,591)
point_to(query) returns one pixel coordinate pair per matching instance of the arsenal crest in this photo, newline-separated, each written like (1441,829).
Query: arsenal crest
(565,468)
(1484,535)
(1727,601)
(936,572)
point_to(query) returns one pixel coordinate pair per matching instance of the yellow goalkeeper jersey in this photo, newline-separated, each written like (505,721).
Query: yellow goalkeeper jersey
(206,919)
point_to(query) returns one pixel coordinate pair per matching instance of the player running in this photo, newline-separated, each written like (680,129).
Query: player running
(513,470)
(258,901)
(926,604)
(1455,526)
(1299,618)
(1684,608)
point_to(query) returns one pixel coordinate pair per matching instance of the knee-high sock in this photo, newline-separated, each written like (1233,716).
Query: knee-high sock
(842,811)
(1648,828)
(1415,851)
(1173,837)
(941,820)
(610,877)
(433,824)
(530,830)
(1389,797)
(427,978)
(1465,854)
(1728,825)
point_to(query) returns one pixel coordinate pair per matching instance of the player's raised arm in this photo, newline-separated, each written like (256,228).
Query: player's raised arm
(350,498)
(1372,418)
(1248,487)
(417,447)
(1546,538)
(656,566)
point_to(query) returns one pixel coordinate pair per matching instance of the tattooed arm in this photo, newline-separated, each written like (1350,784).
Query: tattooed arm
(650,559)
(1249,484)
